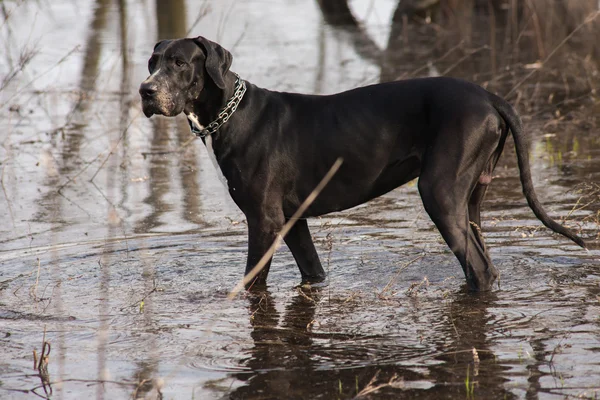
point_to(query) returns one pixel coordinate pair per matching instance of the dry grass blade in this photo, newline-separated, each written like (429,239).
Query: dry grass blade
(40,364)
(589,200)
(286,228)
(24,59)
(394,382)
(393,279)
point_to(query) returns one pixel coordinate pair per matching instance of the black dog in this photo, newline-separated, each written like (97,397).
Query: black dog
(276,147)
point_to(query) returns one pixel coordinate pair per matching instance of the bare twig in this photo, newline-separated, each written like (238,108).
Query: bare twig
(25,58)
(63,59)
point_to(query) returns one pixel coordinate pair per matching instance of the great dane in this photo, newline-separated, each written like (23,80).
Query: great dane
(273,148)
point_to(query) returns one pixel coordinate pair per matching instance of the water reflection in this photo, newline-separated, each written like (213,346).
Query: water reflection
(171,23)
(281,354)
(72,132)
(337,14)
(291,355)
(469,355)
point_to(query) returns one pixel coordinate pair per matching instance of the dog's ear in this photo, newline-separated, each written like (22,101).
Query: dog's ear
(158,44)
(218,60)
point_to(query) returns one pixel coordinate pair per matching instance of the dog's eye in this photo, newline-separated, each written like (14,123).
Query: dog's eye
(179,63)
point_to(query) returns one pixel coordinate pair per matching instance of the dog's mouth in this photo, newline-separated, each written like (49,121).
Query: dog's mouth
(151,106)
(148,112)
(149,109)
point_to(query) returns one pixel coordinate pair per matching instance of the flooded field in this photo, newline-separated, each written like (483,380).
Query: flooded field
(120,245)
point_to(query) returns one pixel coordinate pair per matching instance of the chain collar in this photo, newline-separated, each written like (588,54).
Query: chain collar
(224,114)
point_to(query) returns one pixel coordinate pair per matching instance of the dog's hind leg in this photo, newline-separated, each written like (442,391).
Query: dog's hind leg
(302,247)
(447,205)
(452,184)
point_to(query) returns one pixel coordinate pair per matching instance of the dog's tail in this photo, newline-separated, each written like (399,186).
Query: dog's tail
(508,113)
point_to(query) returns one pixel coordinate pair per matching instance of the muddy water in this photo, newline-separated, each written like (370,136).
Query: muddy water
(119,243)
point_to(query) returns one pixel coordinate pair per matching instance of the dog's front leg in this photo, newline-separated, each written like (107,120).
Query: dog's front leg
(262,232)
(302,247)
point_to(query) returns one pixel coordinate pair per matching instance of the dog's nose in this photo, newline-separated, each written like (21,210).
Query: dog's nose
(148,89)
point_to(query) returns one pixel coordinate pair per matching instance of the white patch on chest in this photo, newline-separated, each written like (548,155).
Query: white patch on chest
(211,152)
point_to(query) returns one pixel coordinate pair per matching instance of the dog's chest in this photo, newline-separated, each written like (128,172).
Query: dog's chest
(211,151)
(213,158)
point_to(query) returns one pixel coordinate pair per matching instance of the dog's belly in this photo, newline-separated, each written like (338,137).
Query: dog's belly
(342,194)
(396,175)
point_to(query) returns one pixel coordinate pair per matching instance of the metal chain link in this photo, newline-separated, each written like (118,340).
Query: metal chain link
(226,112)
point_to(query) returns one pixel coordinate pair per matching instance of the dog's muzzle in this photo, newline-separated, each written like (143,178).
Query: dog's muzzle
(148,91)
(155,100)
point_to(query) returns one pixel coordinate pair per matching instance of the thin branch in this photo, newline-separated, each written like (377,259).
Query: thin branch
(63,59)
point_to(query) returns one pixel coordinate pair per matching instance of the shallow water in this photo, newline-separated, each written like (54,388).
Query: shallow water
(121,244)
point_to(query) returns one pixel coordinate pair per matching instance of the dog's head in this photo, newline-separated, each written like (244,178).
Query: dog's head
(179,71)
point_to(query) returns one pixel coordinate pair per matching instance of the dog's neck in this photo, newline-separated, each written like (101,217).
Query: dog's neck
(211,100)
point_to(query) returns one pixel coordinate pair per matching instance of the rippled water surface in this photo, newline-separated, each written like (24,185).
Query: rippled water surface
(119,245)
